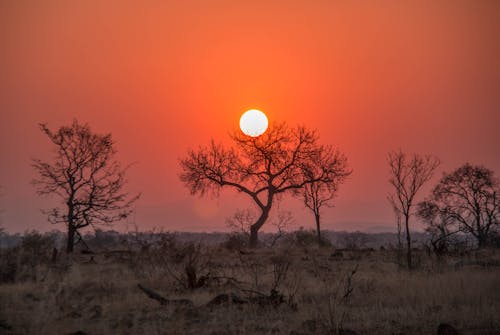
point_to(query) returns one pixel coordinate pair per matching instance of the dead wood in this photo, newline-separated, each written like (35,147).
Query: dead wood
(153,295)
(226,299)
(162,300)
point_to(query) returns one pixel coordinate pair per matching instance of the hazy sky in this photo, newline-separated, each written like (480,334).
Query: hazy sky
(164,76)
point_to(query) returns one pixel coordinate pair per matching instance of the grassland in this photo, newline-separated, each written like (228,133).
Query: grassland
(291,289)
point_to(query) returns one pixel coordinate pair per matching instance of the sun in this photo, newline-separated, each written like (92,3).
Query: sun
(253,123)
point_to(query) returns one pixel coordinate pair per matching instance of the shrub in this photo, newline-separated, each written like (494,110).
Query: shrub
(235,241)
(309,237)
(23,261)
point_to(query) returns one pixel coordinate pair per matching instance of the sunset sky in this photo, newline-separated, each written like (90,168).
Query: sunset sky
(166,76)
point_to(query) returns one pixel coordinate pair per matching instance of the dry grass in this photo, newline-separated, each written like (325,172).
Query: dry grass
(103,298)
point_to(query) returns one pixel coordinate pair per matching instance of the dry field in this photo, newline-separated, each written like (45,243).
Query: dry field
(286,290)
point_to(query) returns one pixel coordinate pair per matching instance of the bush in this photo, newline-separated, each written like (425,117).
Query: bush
(23,261)
(8,265)
(309,237)
(236,241)
(37,247)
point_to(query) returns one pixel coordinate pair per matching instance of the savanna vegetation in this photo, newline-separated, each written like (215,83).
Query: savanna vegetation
(156,284)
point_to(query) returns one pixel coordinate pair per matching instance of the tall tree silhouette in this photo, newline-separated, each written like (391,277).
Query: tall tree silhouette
(282,160)
(407,176)
(85,177)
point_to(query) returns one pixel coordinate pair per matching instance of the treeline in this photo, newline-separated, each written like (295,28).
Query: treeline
(90,185)
(464,202)
(110,239)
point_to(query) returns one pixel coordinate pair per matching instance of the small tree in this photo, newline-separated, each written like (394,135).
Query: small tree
(316,196)
(280,161)
(407,176)
(85,177)
(241,222)
(468,200)
(438,225)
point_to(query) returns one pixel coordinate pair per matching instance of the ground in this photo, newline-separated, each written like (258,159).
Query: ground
(317,290)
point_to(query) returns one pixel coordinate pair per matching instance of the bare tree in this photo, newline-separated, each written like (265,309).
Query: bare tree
(468,200)
(282,160)
(316,196)
(241,221)
(283,220)
(407,176)
(86,178)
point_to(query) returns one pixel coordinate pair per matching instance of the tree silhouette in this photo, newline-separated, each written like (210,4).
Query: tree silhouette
(282,160)
(318,195)
(86,178)
(407,175)
(468,200)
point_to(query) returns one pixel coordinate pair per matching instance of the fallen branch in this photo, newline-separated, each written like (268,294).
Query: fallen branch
(228,279)
(254,292)
(226,299)
(164,301)
(273,299)
(153,295)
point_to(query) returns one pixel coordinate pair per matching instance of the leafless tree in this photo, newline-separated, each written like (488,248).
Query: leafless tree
(283,220)
(468,200)
(241,221)
(407,176)
(86,178)
(282,160)
(317,196)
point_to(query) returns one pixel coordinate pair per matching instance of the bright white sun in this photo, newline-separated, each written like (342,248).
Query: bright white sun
(253,123)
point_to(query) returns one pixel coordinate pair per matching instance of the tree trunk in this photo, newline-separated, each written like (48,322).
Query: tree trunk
(400,243)
(254,229)
(481,240)
(408,242)
(318,228)
(71,238)
(481,236)
(71,224)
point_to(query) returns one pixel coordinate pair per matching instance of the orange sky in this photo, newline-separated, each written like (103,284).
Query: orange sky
(163,76)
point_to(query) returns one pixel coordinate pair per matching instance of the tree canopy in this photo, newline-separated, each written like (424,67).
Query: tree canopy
(466,200)
(85,176)
(282,160)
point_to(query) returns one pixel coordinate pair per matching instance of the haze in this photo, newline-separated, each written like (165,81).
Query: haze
(164,76)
